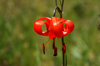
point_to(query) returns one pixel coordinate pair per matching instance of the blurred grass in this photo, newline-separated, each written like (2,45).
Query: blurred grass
(21,46)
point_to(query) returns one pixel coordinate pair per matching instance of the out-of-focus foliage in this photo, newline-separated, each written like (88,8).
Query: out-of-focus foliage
(21,46)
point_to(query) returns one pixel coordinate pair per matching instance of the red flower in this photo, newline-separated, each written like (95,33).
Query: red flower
(55,29)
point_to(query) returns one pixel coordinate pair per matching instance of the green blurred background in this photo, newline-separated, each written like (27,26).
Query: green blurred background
(21,46)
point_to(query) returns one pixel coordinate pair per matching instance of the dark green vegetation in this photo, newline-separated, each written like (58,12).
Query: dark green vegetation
(21,46)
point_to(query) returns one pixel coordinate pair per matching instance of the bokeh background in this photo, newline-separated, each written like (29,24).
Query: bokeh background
(21,46)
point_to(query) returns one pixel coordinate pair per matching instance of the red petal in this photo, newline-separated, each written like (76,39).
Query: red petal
(61,20)
(52,28)
(56,28)
(69,27)
(38,26)
(51,35)
(59,28)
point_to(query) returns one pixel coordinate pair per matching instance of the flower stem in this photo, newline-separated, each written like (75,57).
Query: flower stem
(63,55)
(63,52)
(62,46)
(57,8)
(60,11)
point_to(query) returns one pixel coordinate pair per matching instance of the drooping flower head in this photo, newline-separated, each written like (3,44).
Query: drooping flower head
(55,29)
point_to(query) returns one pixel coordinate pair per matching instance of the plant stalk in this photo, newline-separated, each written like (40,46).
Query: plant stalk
(60,11)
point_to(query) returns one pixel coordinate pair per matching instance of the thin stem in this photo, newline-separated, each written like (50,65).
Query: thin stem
(47,43)
(60,2)
(60,11)
(56,2)
(60,42)
(62,5)
(57,8)
(62,37)
(63,52)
